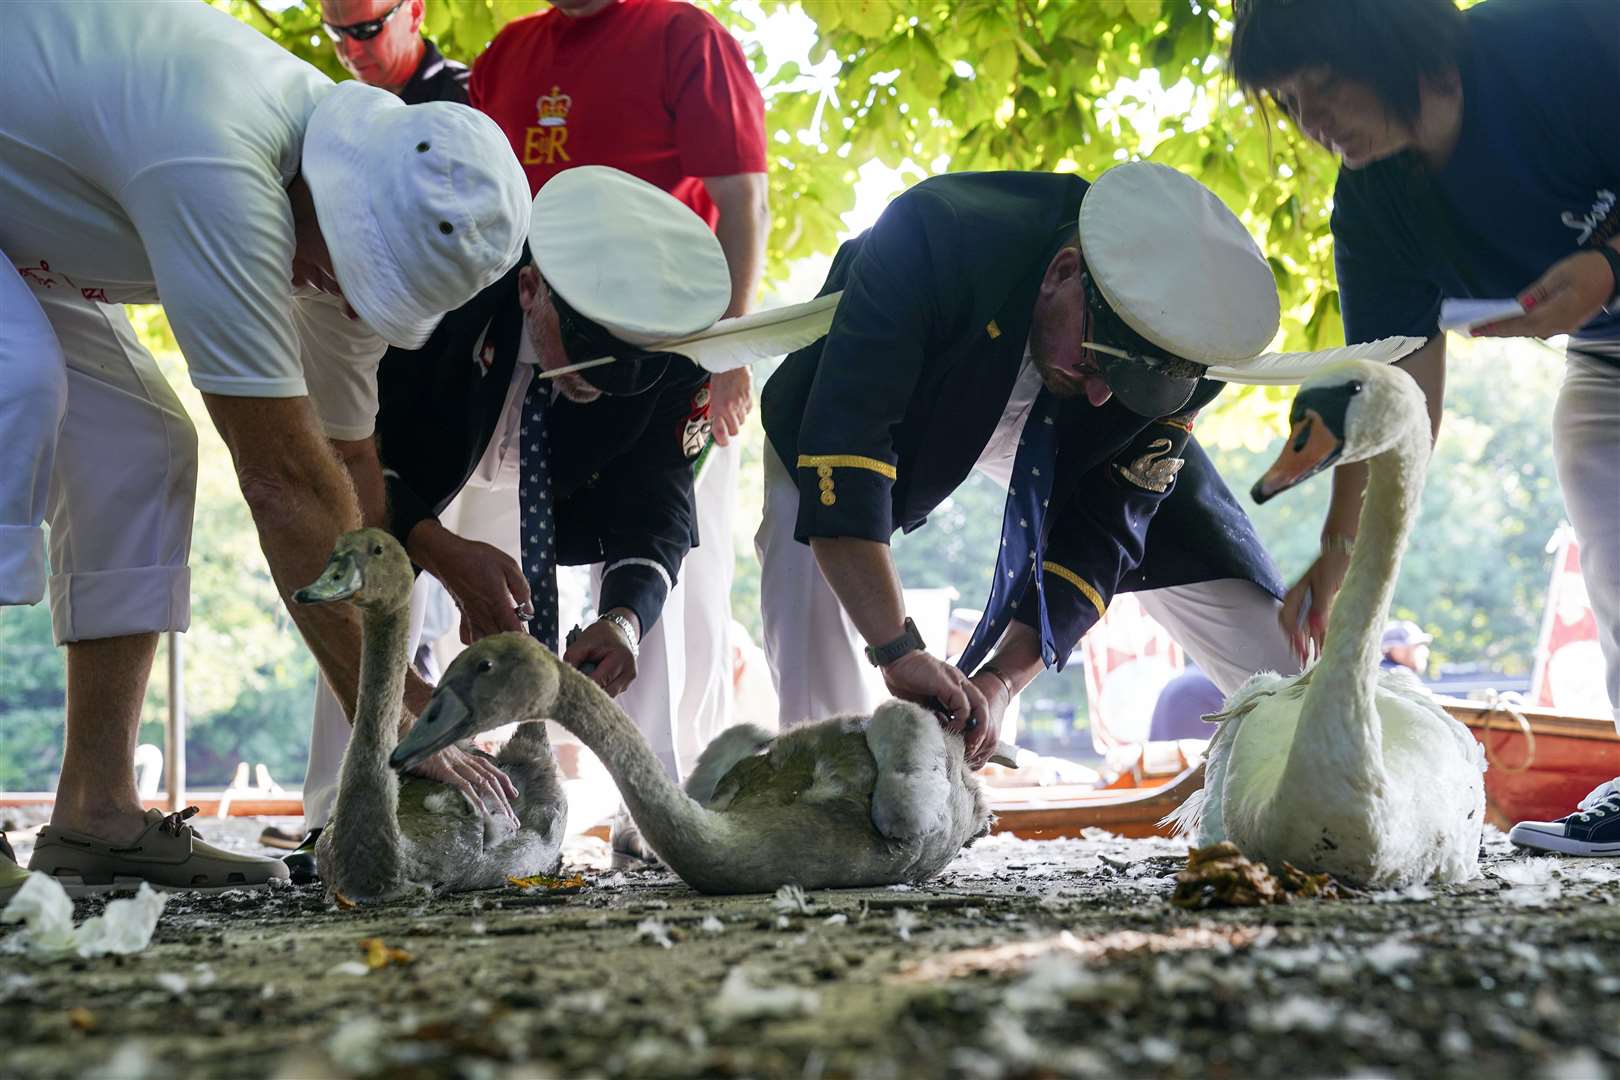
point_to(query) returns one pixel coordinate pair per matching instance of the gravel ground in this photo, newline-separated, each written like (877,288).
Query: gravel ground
(1025,959)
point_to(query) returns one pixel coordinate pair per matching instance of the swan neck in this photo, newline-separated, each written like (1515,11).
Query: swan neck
(368,788)
(675,825)
(1340,697)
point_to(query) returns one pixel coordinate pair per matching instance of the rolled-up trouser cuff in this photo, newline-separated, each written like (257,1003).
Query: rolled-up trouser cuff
(86,606)
(22,564)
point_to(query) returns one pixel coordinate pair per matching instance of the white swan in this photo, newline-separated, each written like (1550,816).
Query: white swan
(852,801)
(1347,768)
(390,837)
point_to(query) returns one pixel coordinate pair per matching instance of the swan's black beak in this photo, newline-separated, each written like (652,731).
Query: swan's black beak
(1312,446)
(446,720)
(339,581)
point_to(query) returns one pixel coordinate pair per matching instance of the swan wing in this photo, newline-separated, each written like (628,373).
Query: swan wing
(1434,805)
(1201,816)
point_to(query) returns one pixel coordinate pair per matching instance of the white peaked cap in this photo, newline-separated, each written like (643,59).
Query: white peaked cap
(627,255)
(1178,267)
(639,263)
(421,206)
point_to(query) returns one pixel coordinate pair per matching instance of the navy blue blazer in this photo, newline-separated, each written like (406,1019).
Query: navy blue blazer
(884,417)
(621,467)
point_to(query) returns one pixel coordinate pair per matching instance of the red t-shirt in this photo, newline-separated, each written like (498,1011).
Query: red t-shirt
(657,88)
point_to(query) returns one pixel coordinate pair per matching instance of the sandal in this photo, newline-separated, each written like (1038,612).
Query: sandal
(168,855)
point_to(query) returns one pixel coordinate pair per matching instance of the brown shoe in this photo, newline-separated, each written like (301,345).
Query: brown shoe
(168,856)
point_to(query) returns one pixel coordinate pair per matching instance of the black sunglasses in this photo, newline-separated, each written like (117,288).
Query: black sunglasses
(362,31)
(632,370)
(1147,380)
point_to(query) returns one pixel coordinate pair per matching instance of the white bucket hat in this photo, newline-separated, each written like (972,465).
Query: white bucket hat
(422,206)
(640,276)
(1180,270)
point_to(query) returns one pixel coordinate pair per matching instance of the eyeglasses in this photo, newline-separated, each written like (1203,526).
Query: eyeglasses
(607,363)
(1147,380)
(361,31)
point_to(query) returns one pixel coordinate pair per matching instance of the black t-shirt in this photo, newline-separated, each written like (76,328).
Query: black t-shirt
(436,79)
(1535,175)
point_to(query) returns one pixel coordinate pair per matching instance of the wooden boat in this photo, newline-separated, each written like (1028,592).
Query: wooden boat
(1541,764)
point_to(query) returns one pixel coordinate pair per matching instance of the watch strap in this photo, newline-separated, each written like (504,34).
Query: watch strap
(890,651)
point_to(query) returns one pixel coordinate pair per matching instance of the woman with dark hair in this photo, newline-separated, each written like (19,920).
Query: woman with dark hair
(1480,155)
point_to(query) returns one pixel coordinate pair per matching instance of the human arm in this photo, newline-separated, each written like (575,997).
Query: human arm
(745,221)
(486,583)
(359,459)
(301,500)
(863,577)
(639,515)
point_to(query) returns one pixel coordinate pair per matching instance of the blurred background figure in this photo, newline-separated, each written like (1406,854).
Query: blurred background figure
(1183,703)
(1406,645)
(380,43)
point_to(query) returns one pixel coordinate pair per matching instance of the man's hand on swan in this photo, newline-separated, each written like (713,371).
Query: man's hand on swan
(607,645)
(980,743)
(927,680)
(480,781)
(486,583)
(1304,612)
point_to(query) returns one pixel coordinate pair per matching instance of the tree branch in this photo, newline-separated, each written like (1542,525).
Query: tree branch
(275,24)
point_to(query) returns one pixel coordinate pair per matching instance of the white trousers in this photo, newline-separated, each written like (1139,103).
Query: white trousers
(1586,451)
(1229,627)
(681,696)
(98,445)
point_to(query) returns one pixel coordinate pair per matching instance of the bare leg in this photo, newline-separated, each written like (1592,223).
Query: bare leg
(106,682)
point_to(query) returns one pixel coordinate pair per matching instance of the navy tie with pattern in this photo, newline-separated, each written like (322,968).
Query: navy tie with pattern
(1028,492)
(534,504)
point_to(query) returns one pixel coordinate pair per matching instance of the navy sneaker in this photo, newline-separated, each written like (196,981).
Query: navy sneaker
(1593,829)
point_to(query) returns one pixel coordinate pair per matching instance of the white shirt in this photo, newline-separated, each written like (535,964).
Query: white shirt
(996,459)
(145,152)
(499,465)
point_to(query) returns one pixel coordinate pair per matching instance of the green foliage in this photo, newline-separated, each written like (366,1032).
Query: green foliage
(460,28)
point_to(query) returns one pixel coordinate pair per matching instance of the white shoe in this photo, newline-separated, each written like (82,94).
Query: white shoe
(1592,829)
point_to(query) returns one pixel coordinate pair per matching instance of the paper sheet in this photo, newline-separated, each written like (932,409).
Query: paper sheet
(1464,315)
(42,904)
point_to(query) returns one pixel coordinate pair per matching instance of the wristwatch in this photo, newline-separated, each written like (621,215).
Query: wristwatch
(626,628)
(889,652)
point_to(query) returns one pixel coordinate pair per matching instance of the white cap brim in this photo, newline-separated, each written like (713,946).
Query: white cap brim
(1176,265)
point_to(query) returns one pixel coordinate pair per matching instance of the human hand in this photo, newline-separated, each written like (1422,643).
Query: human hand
(487,585)
(479,780)
(1563,299)
(1305,608)
(927,680)
(731,396)
(603,644)
(981,742)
